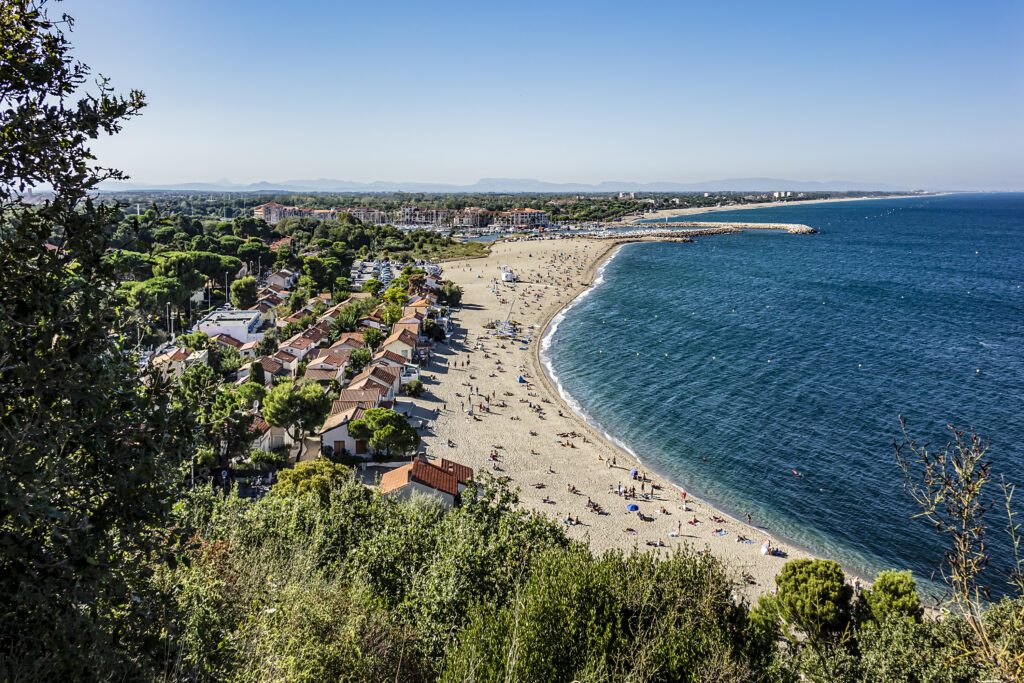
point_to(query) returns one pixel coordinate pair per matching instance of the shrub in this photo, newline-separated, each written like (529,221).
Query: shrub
(413,388)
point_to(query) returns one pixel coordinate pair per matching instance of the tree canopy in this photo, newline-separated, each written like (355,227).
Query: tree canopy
(385,430)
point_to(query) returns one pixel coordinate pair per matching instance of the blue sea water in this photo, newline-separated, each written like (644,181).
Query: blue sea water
(730,363)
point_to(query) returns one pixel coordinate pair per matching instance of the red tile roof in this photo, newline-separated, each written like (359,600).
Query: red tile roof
(272,366)
(370,397)
(284,356)
(404,336)
(228,340)
(259,426)
(427,474)
(391,356)
(321,374)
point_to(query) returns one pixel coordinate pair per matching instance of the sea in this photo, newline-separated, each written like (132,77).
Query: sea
(767,373)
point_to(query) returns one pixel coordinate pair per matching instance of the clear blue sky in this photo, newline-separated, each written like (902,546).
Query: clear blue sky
(925,94)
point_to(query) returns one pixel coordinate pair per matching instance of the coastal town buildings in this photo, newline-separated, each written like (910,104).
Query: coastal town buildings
(522,218)
(367,215)
(411,216)
(273,213)
(472,217)
(172,362)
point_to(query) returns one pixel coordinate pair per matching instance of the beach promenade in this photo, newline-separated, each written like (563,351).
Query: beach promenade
(486,418)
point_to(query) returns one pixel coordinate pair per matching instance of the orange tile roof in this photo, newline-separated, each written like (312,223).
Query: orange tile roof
(403,336)
(320,374)
(464,473)
(391,356)
(228,340)
(285,357)
(395,479)
(371,397)
(259,426)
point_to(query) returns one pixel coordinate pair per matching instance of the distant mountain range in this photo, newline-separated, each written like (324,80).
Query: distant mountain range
(513,185)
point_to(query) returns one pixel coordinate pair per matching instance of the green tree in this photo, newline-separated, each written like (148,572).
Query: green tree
(297,410)
(385,430)
(243,292)
(342,288)
(373,337)
(256,253)
(814,598)
(359,359)
(373,286)
(231,417)
(247,226)
(251,393)
(154,294)
(391,314)
(414,388)
(257,374)
(893,595)
(195,340)
(195,391)
(905,651)
(451,293)
(395,295)
(89,454)
(226,359)
(317,477)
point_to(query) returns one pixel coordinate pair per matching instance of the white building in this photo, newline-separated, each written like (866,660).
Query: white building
(242,325)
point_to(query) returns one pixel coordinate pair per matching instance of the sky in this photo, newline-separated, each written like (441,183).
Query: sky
(915,94)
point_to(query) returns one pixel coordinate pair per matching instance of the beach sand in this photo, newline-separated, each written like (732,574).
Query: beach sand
(532,450)
(694,210)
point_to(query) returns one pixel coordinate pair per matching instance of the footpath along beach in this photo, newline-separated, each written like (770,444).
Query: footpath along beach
(562,467)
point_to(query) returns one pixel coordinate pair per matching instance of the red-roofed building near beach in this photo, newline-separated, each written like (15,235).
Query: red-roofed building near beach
(445,481)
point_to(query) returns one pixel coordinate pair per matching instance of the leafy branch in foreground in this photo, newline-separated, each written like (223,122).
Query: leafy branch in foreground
(949,487)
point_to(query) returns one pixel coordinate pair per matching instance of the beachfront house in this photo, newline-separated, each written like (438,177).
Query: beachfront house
(445,481)
(334,433)
(387,379)
(402,343)
(409,371)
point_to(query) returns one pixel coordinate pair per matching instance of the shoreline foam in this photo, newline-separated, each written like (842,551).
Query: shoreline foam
(574,405)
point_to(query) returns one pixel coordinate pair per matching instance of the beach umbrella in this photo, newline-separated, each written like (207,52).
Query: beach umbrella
(632,507)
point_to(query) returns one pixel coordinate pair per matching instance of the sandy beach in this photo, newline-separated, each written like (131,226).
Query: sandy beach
(562,467)
(692,211)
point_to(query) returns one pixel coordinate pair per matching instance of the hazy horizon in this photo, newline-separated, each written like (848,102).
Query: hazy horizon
(565,92)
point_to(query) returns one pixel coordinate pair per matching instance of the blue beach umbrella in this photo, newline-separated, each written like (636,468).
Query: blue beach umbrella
(632,507)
